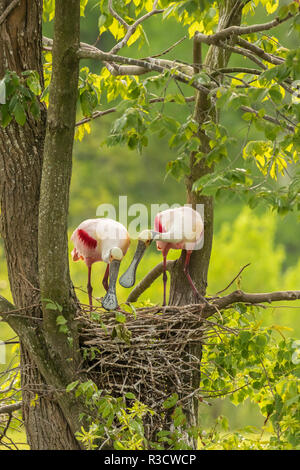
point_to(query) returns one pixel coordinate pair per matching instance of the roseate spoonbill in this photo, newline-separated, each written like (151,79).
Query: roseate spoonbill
(181,228)
(101,240)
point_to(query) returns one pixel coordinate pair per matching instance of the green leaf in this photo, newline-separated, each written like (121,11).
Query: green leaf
(275,94)
(171,401)
(19,113)
(35,109)
(101,20)
(6,117)
(33,84)
(120,317)
(72,385)
(61,320)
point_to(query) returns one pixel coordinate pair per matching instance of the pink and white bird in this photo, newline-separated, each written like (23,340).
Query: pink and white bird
(101,240)
(181,228)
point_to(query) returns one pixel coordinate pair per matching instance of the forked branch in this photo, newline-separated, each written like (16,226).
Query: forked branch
(132,28)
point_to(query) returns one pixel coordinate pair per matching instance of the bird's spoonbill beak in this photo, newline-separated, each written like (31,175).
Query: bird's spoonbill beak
(145,238)
(110,301)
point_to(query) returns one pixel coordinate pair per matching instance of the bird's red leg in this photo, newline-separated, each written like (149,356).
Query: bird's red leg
(89,287)
(165,277)
(105,278)
(186,272)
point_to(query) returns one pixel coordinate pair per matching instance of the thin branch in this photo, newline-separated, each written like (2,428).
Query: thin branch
(117,16)
(188,99)
(211,40)
(7,11)
(170,48)
(255,28)
(98,114)
(239,273)
(6,307)
(246,70)
(8,409)
(95,115)
(268,118)
(249,298)
(260,52)
(132,28)
(146,282)
(149,65)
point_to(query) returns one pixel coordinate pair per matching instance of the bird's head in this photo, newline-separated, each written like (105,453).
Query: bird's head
(116,254)
(146,237)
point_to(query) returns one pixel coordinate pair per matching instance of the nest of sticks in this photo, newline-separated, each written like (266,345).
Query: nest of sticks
(152,352)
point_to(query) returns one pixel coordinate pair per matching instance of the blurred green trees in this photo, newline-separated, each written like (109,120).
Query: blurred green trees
(100,174)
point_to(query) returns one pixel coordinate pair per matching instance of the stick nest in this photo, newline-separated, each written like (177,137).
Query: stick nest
(151,352)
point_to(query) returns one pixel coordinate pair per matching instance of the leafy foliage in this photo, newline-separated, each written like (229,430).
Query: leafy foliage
(243,361)
(252,364)
(20,96)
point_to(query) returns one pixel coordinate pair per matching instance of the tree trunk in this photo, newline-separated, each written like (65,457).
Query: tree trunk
(21,157)
(180,291)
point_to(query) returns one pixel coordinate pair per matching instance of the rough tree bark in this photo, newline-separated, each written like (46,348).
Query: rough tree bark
(180,293)
(21,159)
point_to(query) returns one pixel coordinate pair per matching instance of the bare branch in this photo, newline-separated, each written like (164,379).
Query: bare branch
(268,118)
(149,65)
(170,48)
(8,409)
(116,15)
(98,114)
(249,298)
(237,70)
(238,274)
(6,307)
(132,28)
(260,52)
(255,28)
(146,282)
(7,11)
(211,40)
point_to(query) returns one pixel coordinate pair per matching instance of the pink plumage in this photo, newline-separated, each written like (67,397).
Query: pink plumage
(100,240)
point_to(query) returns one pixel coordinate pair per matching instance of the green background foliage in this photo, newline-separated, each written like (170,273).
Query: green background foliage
(111,160)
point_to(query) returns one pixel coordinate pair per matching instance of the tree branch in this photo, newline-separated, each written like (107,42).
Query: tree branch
(5,306)
(132,28)
(57,167)
(117,16)
(6,12)
(266,117)
(211,40)
(188,99)
(146,282)
(8,409)
(248,298)
(260,52)
(255,28)
(149,65)
(97,114)
(230,284)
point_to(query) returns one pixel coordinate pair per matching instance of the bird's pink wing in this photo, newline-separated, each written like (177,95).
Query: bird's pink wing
(89,241)
(158,225)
